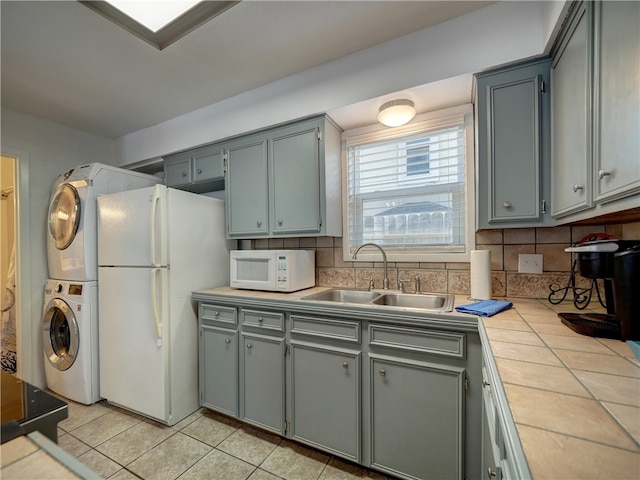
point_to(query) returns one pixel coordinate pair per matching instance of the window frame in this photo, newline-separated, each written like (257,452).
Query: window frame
(421,123)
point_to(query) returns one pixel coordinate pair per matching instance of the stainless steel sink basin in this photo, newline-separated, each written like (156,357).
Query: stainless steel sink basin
(343,296)
(426,301)
(440,302)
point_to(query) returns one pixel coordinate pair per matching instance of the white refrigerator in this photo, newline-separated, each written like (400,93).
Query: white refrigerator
(155,246)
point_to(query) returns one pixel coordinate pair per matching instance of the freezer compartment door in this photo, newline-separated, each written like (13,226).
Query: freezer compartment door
(132,228)
(134,356)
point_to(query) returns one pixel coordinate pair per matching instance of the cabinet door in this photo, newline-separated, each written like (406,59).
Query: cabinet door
(422,404)
(617,100)
(513,114)
(325,402)
(219,369)
(295,179)
(178,171)
(246,188)
(571,125)
(208,164)
(262,382)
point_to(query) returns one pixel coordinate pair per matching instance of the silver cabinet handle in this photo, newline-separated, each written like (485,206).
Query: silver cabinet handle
(199,171)
(280,222)
(217,314)
(577,187)
(506,205)
(227,341)
(485,383)
(490,473)
(184,174)
(260,319)
(345,365)
(602,174)
(382,373)
(249,346)
(259,223)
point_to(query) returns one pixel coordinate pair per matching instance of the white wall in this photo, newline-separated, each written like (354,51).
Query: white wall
(45,149)
(500,33)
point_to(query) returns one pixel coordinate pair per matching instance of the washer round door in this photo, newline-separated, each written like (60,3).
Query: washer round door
(64,215)
(60,335)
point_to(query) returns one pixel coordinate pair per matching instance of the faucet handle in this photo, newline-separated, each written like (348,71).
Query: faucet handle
(371,284)
(417,283)
(401,286)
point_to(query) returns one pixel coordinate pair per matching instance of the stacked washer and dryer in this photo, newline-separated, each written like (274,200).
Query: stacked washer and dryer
(70,314)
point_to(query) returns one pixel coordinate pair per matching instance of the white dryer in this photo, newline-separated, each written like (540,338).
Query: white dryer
(72,243)
(70,339)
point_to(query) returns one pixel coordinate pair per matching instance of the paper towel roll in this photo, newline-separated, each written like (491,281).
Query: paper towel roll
(481,274)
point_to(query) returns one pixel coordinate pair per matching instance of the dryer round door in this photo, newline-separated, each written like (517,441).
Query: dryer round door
(60,335)
(64,215)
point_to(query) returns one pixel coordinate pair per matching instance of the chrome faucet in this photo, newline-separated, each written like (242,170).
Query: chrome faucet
(385,280)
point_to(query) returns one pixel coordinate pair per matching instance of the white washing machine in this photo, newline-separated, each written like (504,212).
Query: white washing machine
(72,245)
(70,339)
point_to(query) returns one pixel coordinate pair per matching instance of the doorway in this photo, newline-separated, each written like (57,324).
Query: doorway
(8,245)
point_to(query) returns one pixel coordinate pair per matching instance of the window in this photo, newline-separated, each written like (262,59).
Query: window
(410,189)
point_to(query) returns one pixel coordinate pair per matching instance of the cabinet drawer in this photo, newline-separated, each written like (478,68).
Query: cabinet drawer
(217,313)
(208,167)
(436,343)
(265,320)
(178,173)
(325,328)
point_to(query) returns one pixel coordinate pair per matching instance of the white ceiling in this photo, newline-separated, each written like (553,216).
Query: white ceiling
(63,62)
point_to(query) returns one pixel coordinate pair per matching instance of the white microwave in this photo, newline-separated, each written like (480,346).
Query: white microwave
(273,270)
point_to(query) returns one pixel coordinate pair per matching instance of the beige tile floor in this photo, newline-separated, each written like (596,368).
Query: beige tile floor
(120,445)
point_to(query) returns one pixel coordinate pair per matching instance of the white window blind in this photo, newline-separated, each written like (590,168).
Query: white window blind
(406,188)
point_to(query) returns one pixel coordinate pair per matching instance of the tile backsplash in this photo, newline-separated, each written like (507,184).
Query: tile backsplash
(505,246)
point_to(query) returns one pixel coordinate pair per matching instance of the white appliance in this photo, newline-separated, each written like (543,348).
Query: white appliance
(155,246)
(72,224)
(273,270)
(70,339)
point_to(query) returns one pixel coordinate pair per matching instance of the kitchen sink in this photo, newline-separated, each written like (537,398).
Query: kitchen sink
(425,301)
(443,302)
(343,296)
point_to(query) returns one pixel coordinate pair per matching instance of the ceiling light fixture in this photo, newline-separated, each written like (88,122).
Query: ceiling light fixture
(396,113)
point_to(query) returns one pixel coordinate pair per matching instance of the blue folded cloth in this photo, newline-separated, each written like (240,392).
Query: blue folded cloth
(484,308)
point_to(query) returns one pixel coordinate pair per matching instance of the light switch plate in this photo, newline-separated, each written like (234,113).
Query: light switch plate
(530,263)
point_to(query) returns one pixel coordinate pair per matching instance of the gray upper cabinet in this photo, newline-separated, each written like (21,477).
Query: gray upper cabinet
(199,170)
(246,191)
(617,100)
(596,100)
(513,145)
(571,75)
(285,182)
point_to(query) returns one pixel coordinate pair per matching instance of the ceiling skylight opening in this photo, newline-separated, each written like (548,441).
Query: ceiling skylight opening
(159,22)
(154,14)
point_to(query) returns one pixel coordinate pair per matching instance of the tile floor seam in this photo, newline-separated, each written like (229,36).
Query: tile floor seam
(590,440)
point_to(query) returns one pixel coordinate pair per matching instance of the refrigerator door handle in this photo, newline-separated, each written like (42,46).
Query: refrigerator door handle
(154,305)
(154,208)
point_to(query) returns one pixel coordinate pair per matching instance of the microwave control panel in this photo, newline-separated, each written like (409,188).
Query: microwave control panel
(281,272)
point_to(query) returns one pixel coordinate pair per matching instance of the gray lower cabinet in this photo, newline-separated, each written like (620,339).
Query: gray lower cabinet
(325,393)
(390,397)
(219,369)
(262,394)
(513,111)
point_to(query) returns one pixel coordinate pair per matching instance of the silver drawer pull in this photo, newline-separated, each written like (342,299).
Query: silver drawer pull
(485,383)
(199,171)
(184,174)
(279,222)
(577,187)
(260,319)
(382,373)
(259,223)
(227,341)
(345,365)
(602,174)
(216,314)
(490,473)
(506,205)
(249,346)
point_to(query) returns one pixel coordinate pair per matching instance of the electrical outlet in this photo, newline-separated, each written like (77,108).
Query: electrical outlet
(530,263)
